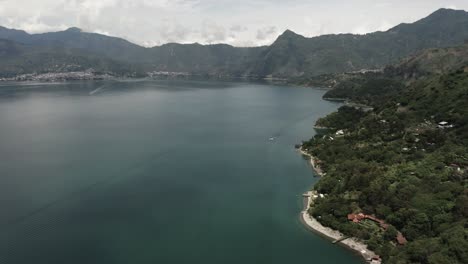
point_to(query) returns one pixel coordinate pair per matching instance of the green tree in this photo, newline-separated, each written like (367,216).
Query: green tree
(391,233)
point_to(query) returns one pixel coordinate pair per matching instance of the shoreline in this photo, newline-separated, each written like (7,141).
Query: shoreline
(311,224)
(316,168)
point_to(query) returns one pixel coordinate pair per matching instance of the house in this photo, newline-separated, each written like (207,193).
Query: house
(340,133)
(351,217)
(444,124)
(357,218)
(376,260)
(455,167)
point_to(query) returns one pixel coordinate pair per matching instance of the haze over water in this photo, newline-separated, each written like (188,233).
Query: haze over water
(157,172)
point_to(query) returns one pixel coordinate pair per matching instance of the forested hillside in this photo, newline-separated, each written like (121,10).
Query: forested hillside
(405,161)
(373,88)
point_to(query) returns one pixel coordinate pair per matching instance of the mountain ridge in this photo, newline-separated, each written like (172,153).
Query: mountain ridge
(290,55)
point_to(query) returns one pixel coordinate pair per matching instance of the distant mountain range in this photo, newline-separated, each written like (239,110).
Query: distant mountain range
(291,55)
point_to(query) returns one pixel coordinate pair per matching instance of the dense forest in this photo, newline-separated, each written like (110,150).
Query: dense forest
(404,161)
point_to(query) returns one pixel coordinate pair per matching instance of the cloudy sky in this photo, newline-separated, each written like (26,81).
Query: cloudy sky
(236,22)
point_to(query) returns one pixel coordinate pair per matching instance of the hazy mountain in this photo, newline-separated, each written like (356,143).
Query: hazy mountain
(430,61)
(377,87)
(74,38)
(220,59)
(295,55)
(290,55)
(17,58)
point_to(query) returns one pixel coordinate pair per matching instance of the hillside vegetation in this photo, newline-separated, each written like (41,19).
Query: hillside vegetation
(373,88)
(405,162)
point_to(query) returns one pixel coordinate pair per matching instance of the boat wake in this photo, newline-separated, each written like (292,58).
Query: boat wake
(100,88)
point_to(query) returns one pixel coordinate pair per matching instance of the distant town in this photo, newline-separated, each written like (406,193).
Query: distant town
(59,76)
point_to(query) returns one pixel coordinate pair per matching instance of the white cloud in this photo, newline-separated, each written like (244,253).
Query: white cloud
(266,33)
(212,32)
(384,26)
(238,28)
(237,22)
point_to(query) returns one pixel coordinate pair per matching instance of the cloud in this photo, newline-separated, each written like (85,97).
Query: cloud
(173,31)
(212,32)
(266,32)
(238,28)
(236,22)
(451,7)
(384,26)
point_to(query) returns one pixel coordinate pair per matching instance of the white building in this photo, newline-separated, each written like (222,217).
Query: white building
(340,133)
(444,124)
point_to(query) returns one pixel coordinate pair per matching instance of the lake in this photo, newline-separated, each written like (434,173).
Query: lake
(157,172)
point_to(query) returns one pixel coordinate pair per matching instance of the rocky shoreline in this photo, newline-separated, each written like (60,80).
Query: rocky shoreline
(313,162)
(314,225)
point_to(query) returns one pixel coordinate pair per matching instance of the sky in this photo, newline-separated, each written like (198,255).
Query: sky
(235,22)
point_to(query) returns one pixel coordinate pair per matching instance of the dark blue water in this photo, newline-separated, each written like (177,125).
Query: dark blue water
(157,172)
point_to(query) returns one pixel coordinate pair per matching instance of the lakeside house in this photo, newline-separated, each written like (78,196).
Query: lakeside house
(357,218)
(444,124)
(455,167)
(376,260)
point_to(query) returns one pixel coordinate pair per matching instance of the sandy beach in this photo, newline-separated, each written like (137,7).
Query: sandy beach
(312,224)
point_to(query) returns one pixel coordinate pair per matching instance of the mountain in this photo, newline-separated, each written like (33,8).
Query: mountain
(294,55)
(173,57)
(17,59)
(376,87)
(75,38)
(291,55)
(430,61)
(219,59)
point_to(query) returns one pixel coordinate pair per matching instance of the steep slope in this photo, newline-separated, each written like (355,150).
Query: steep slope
(376,87)
(294,55)
(431,61)
(14,35)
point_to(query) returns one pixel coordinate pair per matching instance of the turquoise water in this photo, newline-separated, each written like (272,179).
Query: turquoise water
(157,172)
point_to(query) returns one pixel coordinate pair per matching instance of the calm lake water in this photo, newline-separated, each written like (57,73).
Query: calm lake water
(157,172)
